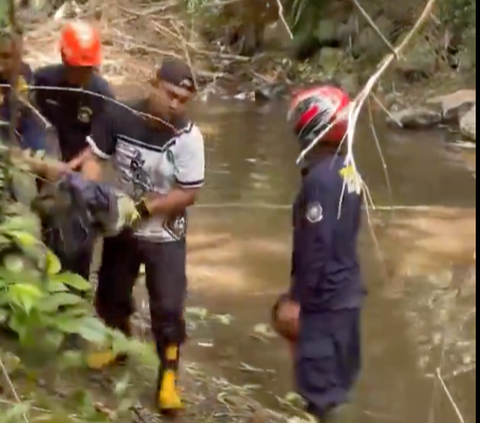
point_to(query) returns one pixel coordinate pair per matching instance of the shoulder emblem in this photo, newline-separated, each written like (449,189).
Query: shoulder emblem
(314,212)
(85,114)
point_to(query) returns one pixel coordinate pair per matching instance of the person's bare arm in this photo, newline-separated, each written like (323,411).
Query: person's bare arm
(91,168)
(77,162)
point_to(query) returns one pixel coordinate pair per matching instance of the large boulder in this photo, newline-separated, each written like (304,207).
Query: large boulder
(455,104)
(415,118)
(467,124)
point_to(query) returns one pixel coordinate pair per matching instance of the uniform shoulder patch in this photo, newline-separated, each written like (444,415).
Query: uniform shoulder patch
(314,212)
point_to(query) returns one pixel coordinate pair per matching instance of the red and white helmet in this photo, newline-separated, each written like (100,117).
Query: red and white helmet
(312,110)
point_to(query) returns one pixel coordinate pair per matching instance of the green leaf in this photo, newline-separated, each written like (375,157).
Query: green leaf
(74,313)
(4,241)
(23,223)
(18,323)
(13,263)
(55,286)
(3,316)
(53,265)
(71,325)
(24,239)
(53,302)
(73,280)
(53,339)
(71,359)
(93,330)
(25,295)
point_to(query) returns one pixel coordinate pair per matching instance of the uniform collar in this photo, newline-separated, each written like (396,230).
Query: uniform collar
(314,160)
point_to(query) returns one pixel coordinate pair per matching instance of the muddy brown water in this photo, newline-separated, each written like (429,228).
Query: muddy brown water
(420,312)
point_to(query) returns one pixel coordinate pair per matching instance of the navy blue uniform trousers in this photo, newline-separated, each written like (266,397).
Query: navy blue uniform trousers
(328,358)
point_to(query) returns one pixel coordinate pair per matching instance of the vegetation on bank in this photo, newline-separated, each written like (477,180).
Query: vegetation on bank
(334,39)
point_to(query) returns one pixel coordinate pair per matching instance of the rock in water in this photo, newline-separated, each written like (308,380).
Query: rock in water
(415,118)
(467,124)
(455,104)
(268,93)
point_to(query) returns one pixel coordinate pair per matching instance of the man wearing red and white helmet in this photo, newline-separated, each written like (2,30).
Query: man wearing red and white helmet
(73,97)
(320,315)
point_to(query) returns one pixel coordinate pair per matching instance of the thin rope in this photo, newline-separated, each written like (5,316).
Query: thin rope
(269,206)
(94,94)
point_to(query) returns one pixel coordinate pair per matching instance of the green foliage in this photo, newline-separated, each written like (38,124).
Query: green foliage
(459,16)
(37,304)
(40,305)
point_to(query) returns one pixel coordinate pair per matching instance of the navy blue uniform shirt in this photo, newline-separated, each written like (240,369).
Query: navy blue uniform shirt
(74,114)
(30,130)
(325,267)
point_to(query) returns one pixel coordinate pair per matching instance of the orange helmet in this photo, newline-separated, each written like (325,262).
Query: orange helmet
(80,44)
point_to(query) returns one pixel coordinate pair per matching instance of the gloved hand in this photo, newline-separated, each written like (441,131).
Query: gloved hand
(142,209)
(127,213)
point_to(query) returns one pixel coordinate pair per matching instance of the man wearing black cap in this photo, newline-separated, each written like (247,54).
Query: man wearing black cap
(160,161)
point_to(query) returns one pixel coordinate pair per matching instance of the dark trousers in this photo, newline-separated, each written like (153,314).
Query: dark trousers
(76,261)
(165,279)
(328,358)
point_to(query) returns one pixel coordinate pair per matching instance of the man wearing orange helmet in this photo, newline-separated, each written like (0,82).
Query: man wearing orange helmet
(73,96)
(320,315)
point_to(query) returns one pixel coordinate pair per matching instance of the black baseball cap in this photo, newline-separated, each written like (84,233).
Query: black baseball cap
(178,73)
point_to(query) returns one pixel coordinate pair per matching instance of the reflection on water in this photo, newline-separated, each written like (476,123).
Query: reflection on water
(420,313)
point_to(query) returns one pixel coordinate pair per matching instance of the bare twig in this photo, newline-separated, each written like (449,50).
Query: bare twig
(282,19)
(12,388)
(187,55)
(375,27)
(379,148)
(449,395)
(387,112)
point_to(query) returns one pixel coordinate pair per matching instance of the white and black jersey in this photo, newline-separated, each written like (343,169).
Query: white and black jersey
(152,160)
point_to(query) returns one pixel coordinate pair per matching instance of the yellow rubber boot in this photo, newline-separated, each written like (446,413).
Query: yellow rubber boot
(169,400)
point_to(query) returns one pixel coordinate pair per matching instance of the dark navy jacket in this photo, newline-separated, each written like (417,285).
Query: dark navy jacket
(325,267)
(74,114)
(30,130)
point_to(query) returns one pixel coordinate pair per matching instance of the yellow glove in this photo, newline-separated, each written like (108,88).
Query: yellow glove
(22,86)
(128,214)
